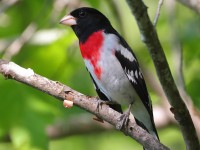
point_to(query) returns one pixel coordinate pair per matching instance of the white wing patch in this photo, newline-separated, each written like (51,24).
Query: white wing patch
(130,75)
(126,53)
(140,74)
(111,43)
(136,74)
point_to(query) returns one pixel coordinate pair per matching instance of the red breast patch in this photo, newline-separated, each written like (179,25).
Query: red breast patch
(90,50)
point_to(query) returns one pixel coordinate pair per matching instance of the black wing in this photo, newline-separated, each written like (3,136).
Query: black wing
(131,67)
(102,96)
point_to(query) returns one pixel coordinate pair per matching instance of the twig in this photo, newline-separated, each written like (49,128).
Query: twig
(192,4)
(84,124)
(179,108)
(158,12)
(16,45)
(177,51)
(7,4)
(77,124)
(61,92)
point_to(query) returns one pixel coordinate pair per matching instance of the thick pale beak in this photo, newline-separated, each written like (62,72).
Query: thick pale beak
(68,20)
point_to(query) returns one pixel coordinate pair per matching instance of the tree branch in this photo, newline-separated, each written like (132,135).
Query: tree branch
(150,38)
(83,124)
(61,92)
(76,125)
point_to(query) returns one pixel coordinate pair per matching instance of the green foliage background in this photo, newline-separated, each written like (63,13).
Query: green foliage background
(53,52)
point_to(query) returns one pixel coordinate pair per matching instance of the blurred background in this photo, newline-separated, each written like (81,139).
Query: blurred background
(31,36)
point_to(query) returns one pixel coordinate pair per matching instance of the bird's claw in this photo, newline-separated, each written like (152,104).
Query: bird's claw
(123,121)
(99,105)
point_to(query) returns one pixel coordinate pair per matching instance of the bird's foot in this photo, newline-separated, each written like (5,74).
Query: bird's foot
(123,121)
(100,103)
(98,107)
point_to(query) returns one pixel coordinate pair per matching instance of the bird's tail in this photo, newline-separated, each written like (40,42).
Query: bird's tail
(151,131)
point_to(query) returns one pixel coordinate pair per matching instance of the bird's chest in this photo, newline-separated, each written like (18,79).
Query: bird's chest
(91,51)
(99,56)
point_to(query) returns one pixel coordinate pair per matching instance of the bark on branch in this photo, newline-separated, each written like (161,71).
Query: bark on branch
(150,38)
(12,71)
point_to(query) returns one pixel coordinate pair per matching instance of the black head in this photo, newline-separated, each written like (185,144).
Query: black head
(84,21)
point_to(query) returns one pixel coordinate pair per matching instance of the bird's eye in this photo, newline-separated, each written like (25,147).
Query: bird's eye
(82,13)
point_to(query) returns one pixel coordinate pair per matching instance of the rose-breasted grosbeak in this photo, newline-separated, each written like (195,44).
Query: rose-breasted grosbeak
(112,65)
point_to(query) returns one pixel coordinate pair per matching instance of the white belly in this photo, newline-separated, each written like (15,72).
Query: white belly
(114,82)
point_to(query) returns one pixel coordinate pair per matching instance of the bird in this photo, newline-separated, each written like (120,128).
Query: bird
(113,67)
